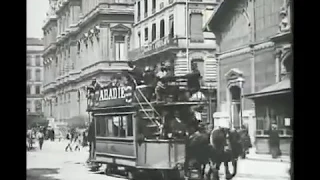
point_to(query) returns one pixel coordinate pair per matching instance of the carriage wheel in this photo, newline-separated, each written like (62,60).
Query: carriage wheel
(108,170)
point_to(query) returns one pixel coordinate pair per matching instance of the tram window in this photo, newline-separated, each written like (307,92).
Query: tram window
(101,126)
(119,126)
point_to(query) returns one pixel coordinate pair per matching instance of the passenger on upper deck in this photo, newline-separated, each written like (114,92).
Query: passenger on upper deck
(193,79)
(161,83)
(91,89)
(136,73)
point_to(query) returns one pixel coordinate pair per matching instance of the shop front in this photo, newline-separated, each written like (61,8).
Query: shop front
(273,105)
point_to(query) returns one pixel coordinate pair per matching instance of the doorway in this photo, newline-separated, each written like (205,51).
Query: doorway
(235,92)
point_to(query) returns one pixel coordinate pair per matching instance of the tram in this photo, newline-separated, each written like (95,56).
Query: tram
(136,135)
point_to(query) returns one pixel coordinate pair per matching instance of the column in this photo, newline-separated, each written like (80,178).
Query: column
(104,42)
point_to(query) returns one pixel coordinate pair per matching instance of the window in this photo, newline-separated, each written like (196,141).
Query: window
(38,60)
(38,75)
(29,60)
(29,76)
(101,126)
(139,39)
(154,32)
(162,28)
(28,106)
(28,89)
(139,11)
(38,105)
(146,34)
(196,33)
(114,126)
(145,8)
(171,26)
(38,89)
(153,6)
(120,48)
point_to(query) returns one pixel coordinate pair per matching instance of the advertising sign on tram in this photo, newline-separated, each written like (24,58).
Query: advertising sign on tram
(117,93)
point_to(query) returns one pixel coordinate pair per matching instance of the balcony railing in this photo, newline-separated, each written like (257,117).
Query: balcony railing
(118,1)
(155,46)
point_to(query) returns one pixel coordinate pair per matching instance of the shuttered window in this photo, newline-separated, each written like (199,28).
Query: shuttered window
(171,26)
(162,28)
(196,33)
(154,31)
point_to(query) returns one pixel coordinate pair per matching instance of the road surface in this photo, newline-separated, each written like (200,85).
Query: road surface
(53,163)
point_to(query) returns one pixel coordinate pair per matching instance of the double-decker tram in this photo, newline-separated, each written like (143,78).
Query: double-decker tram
(138,134)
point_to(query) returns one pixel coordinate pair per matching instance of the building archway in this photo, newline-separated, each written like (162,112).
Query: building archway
(235,82)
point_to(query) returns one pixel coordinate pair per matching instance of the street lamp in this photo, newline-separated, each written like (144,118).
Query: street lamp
(241,81)
(210,91)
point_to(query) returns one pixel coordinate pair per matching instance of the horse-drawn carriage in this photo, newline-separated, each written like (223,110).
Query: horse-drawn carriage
(137,136)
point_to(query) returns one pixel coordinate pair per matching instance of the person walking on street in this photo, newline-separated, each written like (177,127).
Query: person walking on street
(274,141)
(69,138)
(77,142)
(84,139)
(40,137)
(245,141)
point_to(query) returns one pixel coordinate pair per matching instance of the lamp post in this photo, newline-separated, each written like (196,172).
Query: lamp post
(187,34)
(210,92)
(241,81)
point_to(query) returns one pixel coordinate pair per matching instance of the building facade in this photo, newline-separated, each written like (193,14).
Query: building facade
(160,33)
(252,64)
(34,76)
(83,39)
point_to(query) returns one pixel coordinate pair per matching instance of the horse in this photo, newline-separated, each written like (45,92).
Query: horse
(209,149)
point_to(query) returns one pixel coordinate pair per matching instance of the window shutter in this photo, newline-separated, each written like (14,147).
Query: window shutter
(196,34)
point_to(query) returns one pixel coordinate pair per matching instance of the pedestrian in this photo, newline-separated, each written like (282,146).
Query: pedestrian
(77,142)
(40,137)
(274,141)
(69,138)
(245,141)
(91,140)
(52,134)
(84,139)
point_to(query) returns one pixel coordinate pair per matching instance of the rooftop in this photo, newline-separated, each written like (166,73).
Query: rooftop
(35,41)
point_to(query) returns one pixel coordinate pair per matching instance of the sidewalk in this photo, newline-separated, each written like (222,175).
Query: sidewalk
(266,157)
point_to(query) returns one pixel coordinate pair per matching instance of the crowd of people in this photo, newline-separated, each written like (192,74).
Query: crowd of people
(33,134)
(76,140)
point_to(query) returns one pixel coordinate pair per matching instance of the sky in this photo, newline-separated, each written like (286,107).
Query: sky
(36,13)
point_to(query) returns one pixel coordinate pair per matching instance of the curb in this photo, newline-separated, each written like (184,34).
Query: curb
(269,159)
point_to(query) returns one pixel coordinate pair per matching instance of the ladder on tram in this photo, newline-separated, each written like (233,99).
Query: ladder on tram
(150,114)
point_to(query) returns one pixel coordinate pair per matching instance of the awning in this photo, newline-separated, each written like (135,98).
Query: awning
(281,87)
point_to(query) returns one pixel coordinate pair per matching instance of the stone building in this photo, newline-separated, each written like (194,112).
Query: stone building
(83,39)
(255,58)
(159,35)
(34,76)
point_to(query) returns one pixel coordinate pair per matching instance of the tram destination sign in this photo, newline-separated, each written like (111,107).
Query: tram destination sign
(114,96)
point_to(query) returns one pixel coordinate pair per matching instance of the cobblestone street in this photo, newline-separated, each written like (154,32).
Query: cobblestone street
(53,163)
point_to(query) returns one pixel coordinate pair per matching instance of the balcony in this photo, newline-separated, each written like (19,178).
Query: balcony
(155,46)
(49,86)
(109,66)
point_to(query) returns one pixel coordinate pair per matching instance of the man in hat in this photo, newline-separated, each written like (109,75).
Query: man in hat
(193,79)
(135,73)
(160,88)
(274,141)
